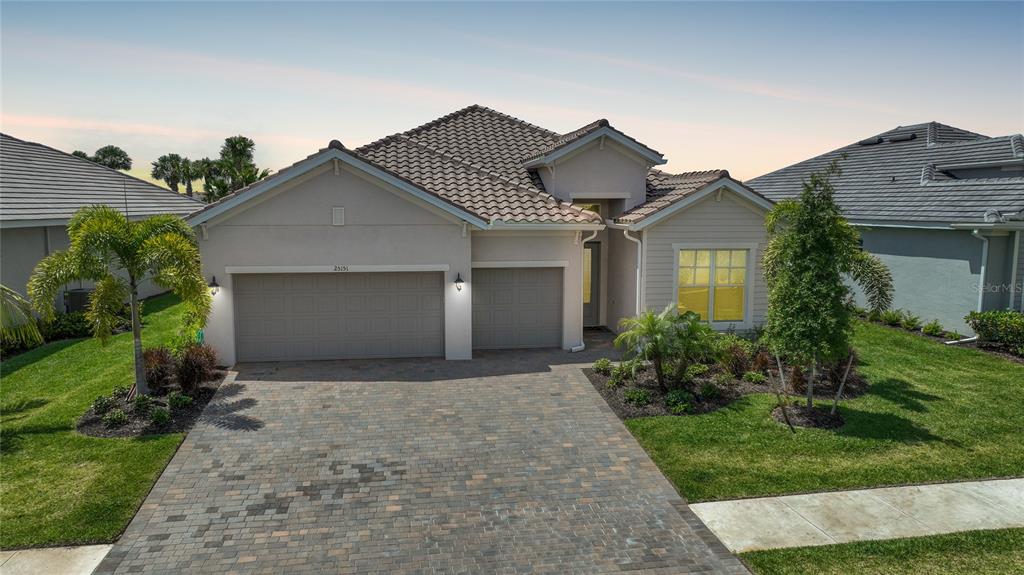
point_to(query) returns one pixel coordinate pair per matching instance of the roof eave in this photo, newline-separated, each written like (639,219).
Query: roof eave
(653,157)
(696,196)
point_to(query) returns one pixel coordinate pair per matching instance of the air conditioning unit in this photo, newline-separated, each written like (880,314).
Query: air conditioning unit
(76,299)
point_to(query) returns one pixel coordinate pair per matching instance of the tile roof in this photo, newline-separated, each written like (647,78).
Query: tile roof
(474,159)
(40,183)
(582,132)
(664,189)
(897,176)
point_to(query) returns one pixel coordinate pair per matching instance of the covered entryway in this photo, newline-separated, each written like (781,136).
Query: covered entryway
(517,308)
(338,315)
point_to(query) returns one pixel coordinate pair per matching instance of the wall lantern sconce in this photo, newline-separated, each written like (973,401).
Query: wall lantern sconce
(459,282)
(214,286)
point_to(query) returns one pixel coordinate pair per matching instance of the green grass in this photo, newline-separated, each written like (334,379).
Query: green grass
(933,413)
(976,553)
(58,487)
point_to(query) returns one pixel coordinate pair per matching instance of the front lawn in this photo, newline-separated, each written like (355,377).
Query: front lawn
(975,553)
(58,487)
(932,413)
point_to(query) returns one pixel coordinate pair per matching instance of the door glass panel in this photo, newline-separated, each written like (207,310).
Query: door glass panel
(587,267)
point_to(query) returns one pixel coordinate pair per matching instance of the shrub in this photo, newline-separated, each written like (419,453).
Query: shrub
(142,404)
(121,391)
(159,365)
(933,328)
(115,418)
(892,317)
(694,371)
(603,366)
(911,322)
(178,400)
(679,401)
(735,354)
(160,417)
(1002,328)
(761,362)
(72,325)
(954,335)
(195,365)
(637,397)
(625,371)
(102,404)
(754,377)
(709,390)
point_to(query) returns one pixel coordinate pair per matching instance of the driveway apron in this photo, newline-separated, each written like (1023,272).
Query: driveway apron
(510,463)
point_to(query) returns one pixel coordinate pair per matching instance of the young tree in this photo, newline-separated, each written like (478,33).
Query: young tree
(112,157)
(118,254)
(811,248)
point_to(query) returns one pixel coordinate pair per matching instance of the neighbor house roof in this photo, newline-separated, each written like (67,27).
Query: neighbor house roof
(478,160)
(907,175)
(40,185)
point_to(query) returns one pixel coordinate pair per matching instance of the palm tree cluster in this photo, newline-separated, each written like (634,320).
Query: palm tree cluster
(232,171)
(112,157)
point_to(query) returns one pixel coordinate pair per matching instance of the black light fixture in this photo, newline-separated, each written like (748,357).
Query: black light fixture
(458,281)
(214,286)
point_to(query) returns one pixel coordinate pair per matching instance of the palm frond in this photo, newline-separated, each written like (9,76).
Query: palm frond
(17,322)
(105,303)
(874,278)
(51,274)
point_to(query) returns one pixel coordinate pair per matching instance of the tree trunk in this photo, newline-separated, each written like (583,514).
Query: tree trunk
(188,188)
(140,370)
(660,374)
(810,383)
(779,392)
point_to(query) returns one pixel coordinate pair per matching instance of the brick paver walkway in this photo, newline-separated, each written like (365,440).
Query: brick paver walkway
(498,465)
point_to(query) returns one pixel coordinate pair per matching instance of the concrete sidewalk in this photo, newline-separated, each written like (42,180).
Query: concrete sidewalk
(53,560)
(845,516)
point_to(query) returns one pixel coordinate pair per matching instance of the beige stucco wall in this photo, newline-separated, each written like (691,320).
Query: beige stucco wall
(516,248)
(595,172)
(292,226)
(622,278)
(712,222)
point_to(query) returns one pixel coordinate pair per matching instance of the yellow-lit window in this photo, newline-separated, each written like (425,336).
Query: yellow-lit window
(713,283)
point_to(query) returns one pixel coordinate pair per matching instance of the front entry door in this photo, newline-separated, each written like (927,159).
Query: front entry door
(591,284)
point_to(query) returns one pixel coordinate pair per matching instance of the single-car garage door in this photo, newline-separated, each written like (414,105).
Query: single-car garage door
(517,308)
(338,316)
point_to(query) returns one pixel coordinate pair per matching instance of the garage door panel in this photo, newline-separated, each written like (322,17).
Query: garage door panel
(517,308)
(339,316)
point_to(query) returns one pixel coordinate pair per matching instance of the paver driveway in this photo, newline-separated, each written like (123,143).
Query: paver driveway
(510,463)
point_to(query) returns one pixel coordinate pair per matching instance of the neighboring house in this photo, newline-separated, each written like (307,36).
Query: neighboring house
(41,188)
(474,231)
(943,207)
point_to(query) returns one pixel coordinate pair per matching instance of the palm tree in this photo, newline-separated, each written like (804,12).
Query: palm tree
(113,157)
(107,248)
(17,322)
(168,168)
(189,172)
(237,165)
(650,336)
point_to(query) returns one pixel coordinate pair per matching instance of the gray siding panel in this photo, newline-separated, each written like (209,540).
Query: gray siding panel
(710,222)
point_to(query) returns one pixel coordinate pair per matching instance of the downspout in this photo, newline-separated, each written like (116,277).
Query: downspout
(583,243)
(984,266)
(1013,272)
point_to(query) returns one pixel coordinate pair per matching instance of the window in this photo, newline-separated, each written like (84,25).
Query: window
(713,283)
(588,256)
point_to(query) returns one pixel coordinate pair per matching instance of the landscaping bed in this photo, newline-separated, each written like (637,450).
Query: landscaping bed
(181,414)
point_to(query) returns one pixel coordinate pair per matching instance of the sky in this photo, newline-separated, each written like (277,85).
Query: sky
(748,87)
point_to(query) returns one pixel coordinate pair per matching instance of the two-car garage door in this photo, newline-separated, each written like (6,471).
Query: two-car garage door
(338,316)
(389,314)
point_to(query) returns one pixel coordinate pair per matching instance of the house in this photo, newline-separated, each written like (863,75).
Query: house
(474,231)
(941,206)
(41,188)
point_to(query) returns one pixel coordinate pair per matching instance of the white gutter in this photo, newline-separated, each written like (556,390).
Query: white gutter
(984,266)
(583,243)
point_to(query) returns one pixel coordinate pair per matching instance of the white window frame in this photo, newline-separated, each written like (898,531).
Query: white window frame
(750,286)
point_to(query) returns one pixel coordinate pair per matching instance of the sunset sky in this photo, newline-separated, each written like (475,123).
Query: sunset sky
(745,87)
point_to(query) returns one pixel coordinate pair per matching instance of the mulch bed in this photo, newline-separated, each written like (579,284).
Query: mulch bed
(182,419)
(801,416)
(856,386)
(988,348)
